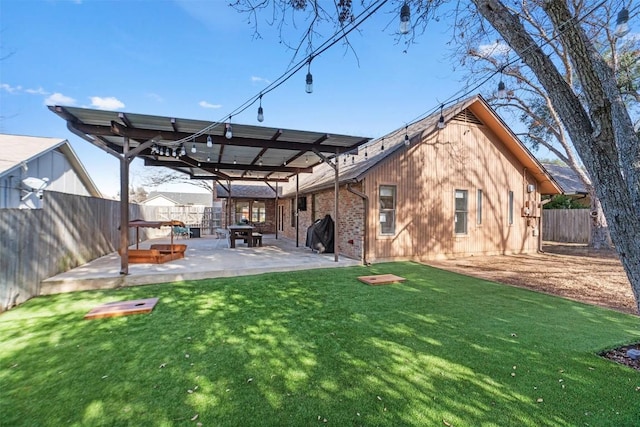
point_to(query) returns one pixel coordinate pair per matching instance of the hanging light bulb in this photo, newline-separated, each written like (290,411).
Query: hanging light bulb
(235,161)
(228,133)
(353,159)
(407,141)
(208,159)
(209,141)
(502,90)
(405,19)
(174,152)
(366,154)
(382,145)
(183,151)
(193,148)
(345,160)
(260,162)
(622,26)
(260,111)
(309,86)
(441,123)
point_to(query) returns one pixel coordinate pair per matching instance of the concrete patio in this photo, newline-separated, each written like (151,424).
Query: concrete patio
(205,258)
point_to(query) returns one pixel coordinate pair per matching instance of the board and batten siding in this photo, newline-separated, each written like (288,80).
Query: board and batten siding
(464,156)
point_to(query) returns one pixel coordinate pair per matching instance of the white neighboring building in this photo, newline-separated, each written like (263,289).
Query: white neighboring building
(30,165)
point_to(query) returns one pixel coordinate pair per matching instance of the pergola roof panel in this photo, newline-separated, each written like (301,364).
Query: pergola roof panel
(255,151)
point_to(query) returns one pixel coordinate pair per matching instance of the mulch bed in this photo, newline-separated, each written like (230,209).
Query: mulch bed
(619,355)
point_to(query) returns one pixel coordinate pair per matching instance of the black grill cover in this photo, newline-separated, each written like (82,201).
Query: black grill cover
(320,235)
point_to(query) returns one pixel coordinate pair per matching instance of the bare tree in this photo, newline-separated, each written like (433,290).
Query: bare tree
(156,176)
(592,112)
(523,96)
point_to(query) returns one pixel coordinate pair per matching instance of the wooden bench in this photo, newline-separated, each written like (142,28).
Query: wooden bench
(257,239)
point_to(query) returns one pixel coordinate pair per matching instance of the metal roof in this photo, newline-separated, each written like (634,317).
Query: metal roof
(253,153)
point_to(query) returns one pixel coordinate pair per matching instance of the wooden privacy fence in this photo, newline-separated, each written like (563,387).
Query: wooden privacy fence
(566,225)
(68,231)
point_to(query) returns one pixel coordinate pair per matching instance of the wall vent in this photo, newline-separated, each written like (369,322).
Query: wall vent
(467,116)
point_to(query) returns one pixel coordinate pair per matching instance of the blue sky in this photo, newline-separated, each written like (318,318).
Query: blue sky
(199,59)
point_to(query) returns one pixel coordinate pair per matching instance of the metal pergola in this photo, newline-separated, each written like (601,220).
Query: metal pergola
(201,150)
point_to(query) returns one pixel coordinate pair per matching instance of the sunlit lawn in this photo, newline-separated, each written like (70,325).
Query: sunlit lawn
(316,348)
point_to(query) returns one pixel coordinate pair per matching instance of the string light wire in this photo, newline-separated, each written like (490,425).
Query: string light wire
(291,71)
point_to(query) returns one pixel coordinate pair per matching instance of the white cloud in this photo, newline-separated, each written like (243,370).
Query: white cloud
(11,89)
(256,79)
(108,103)
(205,104)
(59,99)
(38,91)
(494,49)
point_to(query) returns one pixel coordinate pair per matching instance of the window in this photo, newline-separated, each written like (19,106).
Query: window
(461,212)
(479,208)
(242,212)
(302,203)
(387,209)
(258,212)
(510,207)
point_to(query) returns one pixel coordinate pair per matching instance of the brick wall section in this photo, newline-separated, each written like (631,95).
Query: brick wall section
(350,222)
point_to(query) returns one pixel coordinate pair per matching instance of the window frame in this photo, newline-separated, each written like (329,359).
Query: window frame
(463,212)
(510,215)
(383,230)
(479,198)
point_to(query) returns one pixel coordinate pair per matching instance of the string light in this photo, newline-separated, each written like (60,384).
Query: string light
(309,83)
(622,26)
(441,123)
(502,90)
(407,141)
(209,141)
(405,19)
(183,151)
(208,159)
(228,133)
(260,111)
(382,145)
(193,148)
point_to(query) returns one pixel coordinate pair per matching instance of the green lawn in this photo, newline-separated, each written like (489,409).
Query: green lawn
(315,348)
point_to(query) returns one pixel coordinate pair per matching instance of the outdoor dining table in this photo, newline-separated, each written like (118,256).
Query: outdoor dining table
(240,232)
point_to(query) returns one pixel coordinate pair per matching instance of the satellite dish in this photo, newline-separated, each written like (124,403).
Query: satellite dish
(34,185)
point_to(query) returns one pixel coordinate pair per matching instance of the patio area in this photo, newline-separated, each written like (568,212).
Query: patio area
(206,257)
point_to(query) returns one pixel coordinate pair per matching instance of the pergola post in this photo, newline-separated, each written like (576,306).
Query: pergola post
(124,208)
(336,201)
(296,213)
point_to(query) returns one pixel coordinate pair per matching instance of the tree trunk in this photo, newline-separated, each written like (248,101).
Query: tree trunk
(600,237)
(603,135)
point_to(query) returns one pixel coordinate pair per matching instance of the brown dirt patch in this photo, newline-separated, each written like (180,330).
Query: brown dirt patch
(568,270)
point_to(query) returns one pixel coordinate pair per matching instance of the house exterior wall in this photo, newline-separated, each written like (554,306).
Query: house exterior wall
(52,165)
(350,218)
(462,156)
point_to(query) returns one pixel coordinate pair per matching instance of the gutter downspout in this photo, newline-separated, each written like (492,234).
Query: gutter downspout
(365,199)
